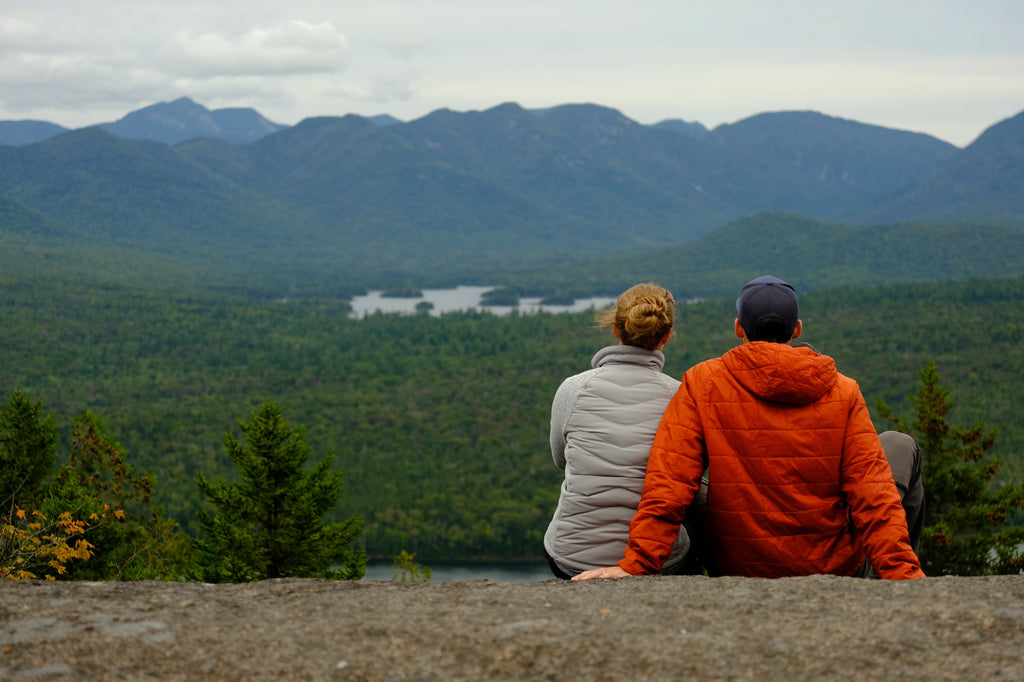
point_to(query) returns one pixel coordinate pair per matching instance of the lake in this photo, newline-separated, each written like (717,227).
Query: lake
(448,572)
(463,298)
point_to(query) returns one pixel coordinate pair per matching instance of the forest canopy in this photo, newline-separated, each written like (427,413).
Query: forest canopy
(440,423)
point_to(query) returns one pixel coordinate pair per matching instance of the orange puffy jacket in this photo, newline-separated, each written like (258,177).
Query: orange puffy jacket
(799,481)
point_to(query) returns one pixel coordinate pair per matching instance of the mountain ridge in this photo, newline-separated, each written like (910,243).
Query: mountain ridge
(459,194)
(167,120)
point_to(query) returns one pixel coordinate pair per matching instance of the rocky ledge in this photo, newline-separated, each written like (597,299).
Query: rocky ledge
(659,628)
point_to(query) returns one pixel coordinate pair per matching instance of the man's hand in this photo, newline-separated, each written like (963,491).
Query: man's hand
(609,572)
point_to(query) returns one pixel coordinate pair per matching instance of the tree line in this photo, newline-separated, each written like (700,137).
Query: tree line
(92,518)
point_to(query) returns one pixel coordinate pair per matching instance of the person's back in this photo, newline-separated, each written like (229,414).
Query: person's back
(602,424)
(616,407)
(799,482)
(792,453)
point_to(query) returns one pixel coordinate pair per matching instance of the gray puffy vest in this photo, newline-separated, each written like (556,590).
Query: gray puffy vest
(603,422)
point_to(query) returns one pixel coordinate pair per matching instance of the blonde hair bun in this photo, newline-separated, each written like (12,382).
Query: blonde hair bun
(643,315)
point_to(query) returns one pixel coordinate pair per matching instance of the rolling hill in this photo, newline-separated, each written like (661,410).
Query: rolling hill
(809,253)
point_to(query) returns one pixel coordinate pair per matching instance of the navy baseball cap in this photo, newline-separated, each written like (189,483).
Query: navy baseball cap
(765,297)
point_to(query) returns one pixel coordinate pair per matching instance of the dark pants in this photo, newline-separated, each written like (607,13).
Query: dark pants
(555,570)
(904,457)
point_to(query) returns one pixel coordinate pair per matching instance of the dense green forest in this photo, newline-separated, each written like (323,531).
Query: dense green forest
(440,423)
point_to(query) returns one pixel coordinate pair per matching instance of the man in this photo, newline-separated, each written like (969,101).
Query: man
(800,484)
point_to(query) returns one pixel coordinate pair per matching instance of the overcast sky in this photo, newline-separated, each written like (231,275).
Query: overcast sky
(949,68)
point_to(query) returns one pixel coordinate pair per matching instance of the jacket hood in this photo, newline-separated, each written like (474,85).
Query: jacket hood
(780,373)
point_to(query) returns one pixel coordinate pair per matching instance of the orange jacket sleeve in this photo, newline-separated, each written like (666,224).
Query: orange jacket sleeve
(673,479)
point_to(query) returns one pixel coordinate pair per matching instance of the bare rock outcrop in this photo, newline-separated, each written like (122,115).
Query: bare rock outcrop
(659,628)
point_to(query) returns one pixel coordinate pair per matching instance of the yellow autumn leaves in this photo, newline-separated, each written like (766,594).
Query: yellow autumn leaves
(31,544)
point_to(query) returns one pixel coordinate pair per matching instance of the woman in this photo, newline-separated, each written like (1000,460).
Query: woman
(603,422)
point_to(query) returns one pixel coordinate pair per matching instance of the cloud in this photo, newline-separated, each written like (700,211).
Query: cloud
(73,79)
(289,48)
(908,64)
(17,34)
(46,67)
(100,67)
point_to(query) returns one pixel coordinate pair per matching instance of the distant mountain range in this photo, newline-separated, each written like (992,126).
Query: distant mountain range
(183,120)
(467,194)
(167,122)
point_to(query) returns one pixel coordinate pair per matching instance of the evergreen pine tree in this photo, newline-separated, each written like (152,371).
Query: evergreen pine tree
(268,523)
(966,529)
(28,448)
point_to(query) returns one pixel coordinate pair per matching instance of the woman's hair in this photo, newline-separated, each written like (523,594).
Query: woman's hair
(642,314)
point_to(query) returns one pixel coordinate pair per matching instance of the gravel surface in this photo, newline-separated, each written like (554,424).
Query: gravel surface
(660,628)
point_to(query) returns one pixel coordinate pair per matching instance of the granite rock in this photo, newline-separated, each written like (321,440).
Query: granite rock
(659,628)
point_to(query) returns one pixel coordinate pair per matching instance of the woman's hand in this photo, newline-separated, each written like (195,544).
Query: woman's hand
(609,572)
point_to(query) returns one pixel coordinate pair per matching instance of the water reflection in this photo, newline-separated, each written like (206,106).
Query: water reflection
(463,298)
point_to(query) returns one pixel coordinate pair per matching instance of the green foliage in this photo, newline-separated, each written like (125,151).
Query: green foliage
(121,264)
(130,539)
(95,494)
(28,448)
(268,523)
(406,569)
(440,422)
(966,529)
